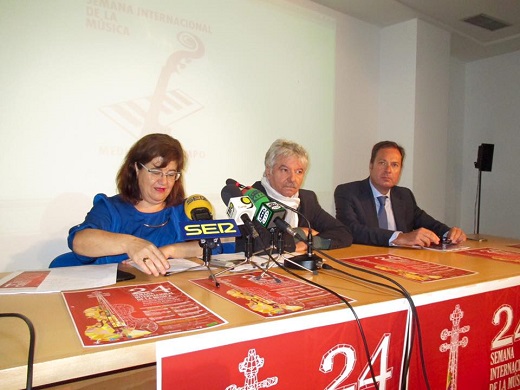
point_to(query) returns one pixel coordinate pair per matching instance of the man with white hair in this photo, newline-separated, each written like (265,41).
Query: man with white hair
(286,164)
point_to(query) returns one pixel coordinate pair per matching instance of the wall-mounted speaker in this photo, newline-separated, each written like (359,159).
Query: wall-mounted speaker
(485,157)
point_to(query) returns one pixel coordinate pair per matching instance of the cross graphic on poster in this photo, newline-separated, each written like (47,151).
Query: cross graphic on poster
(453,346)
(250,367)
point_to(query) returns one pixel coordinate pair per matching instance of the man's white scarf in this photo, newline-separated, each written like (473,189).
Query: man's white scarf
(290,217)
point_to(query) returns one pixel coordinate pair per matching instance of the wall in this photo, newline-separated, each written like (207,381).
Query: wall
(492,115)
(413,105)
(454,155)
(357,99)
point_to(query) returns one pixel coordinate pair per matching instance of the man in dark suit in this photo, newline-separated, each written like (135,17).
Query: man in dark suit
(285,168)
(378,212)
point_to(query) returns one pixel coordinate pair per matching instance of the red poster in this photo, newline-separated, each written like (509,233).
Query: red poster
(26,279)
(495,254)
(270,295)
(411,269)
(120,314)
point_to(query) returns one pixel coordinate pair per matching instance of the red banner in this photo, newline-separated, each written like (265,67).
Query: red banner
(470,342)
(316,358)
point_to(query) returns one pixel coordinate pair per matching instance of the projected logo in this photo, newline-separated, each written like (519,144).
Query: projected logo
(157,113)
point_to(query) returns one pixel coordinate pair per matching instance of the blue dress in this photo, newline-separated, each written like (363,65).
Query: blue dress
(112,214)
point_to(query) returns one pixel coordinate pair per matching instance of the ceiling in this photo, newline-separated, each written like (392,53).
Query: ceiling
(469,42)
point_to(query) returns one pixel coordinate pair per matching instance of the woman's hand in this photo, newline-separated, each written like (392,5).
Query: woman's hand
(182,250)
(149,258)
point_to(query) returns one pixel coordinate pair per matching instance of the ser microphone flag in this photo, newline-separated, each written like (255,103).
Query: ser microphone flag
(199,210)
(215,228)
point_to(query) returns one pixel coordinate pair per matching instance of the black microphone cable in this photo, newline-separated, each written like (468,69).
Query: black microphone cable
(402,290)
(409,335)
(286,227)
(358,321)
(32,337)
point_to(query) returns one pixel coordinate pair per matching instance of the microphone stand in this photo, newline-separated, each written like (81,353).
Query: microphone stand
(248,253)
(284,227)
(269,254)
(309,260)
(207,245)
(476,228)
(274,232)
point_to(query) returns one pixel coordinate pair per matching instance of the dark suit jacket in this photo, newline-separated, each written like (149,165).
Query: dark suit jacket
(355,207)
(332,232)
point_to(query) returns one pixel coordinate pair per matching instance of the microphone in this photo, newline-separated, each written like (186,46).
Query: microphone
(271,215)
(233,182)
(200,211)
(285,227)
(308,260)
(198,208)
(205,229)
(240,208)
(267,211)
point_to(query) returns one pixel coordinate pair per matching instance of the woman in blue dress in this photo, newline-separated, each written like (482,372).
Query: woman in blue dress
(140,223)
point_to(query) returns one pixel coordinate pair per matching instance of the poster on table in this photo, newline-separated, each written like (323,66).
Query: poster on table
(115,315)
(494,254)
(408,268)
(270,295)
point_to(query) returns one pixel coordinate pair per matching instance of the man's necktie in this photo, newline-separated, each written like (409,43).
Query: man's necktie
(381,214)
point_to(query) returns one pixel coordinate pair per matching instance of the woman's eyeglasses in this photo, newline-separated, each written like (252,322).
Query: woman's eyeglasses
(157,173)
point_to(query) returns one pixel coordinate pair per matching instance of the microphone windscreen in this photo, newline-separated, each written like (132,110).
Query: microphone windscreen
(228,192)
(231,182)
(198,208)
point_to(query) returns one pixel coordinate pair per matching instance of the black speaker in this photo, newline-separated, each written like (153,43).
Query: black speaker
(485,157)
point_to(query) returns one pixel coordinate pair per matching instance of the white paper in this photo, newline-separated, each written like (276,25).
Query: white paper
(61,279)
